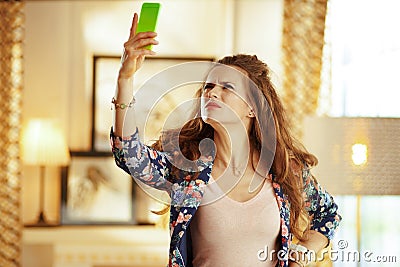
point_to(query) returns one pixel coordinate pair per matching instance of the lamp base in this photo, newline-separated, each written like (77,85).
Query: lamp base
(42,222)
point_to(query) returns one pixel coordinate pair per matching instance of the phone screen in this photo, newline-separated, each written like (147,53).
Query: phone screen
(148,17)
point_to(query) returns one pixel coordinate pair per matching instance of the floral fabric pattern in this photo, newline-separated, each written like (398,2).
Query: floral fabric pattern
(320,206)
(141,162)
(154,169)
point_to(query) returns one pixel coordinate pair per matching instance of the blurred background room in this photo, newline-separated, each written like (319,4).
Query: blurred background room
(64,203)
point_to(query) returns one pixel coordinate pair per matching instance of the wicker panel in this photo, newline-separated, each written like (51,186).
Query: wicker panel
(302,45)
(11,38)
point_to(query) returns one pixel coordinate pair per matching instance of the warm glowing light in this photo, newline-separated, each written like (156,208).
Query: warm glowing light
(359,155)
(43,143)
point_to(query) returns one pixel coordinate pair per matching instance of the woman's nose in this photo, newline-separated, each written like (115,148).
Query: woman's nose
(214,92)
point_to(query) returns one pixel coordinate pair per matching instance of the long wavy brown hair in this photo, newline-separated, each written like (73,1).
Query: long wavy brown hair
(290,157)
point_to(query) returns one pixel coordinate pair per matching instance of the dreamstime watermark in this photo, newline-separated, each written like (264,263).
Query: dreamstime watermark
(340,254)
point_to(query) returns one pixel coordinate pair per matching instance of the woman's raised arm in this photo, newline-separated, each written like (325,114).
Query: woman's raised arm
(131,60)
(140,161)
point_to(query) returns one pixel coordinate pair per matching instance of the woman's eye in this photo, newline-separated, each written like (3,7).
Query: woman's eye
(228,86)
(208,86)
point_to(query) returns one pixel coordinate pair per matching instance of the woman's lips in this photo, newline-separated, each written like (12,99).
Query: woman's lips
(212,104)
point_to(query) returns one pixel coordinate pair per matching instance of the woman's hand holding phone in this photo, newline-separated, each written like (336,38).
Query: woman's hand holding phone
(135,50)
(141,39)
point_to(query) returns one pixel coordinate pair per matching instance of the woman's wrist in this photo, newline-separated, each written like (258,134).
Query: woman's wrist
(123,78)
(124,92)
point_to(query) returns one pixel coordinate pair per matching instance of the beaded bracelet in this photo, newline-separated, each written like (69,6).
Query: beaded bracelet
(298,248)
(122,105)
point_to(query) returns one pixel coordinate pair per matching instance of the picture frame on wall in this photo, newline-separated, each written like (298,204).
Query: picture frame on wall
(105,72)
(94,191)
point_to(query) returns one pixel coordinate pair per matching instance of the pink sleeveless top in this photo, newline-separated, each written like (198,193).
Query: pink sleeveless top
(231,233)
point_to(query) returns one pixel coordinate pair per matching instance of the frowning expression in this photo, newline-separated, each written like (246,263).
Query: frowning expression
(224,96)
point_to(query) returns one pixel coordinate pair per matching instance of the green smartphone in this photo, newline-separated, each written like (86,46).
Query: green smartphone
(148,18)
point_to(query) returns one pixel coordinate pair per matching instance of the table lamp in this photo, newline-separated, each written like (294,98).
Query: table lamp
(43,144)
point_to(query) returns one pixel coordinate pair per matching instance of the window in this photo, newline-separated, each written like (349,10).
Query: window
(360,79)
(363,52)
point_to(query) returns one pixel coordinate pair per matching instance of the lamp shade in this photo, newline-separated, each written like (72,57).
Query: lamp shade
(356,155)
(43,143)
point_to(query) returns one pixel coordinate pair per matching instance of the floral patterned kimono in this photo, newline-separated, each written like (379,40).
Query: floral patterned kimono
(153,168)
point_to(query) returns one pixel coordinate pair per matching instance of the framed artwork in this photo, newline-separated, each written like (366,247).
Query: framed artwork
(105,71)
(94,191)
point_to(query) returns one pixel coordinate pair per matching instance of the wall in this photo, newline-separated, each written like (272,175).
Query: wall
(62,37)
(46,89)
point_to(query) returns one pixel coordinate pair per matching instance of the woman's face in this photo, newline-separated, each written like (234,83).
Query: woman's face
(223,96)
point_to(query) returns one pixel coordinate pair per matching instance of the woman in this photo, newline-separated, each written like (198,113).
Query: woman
(241,200)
